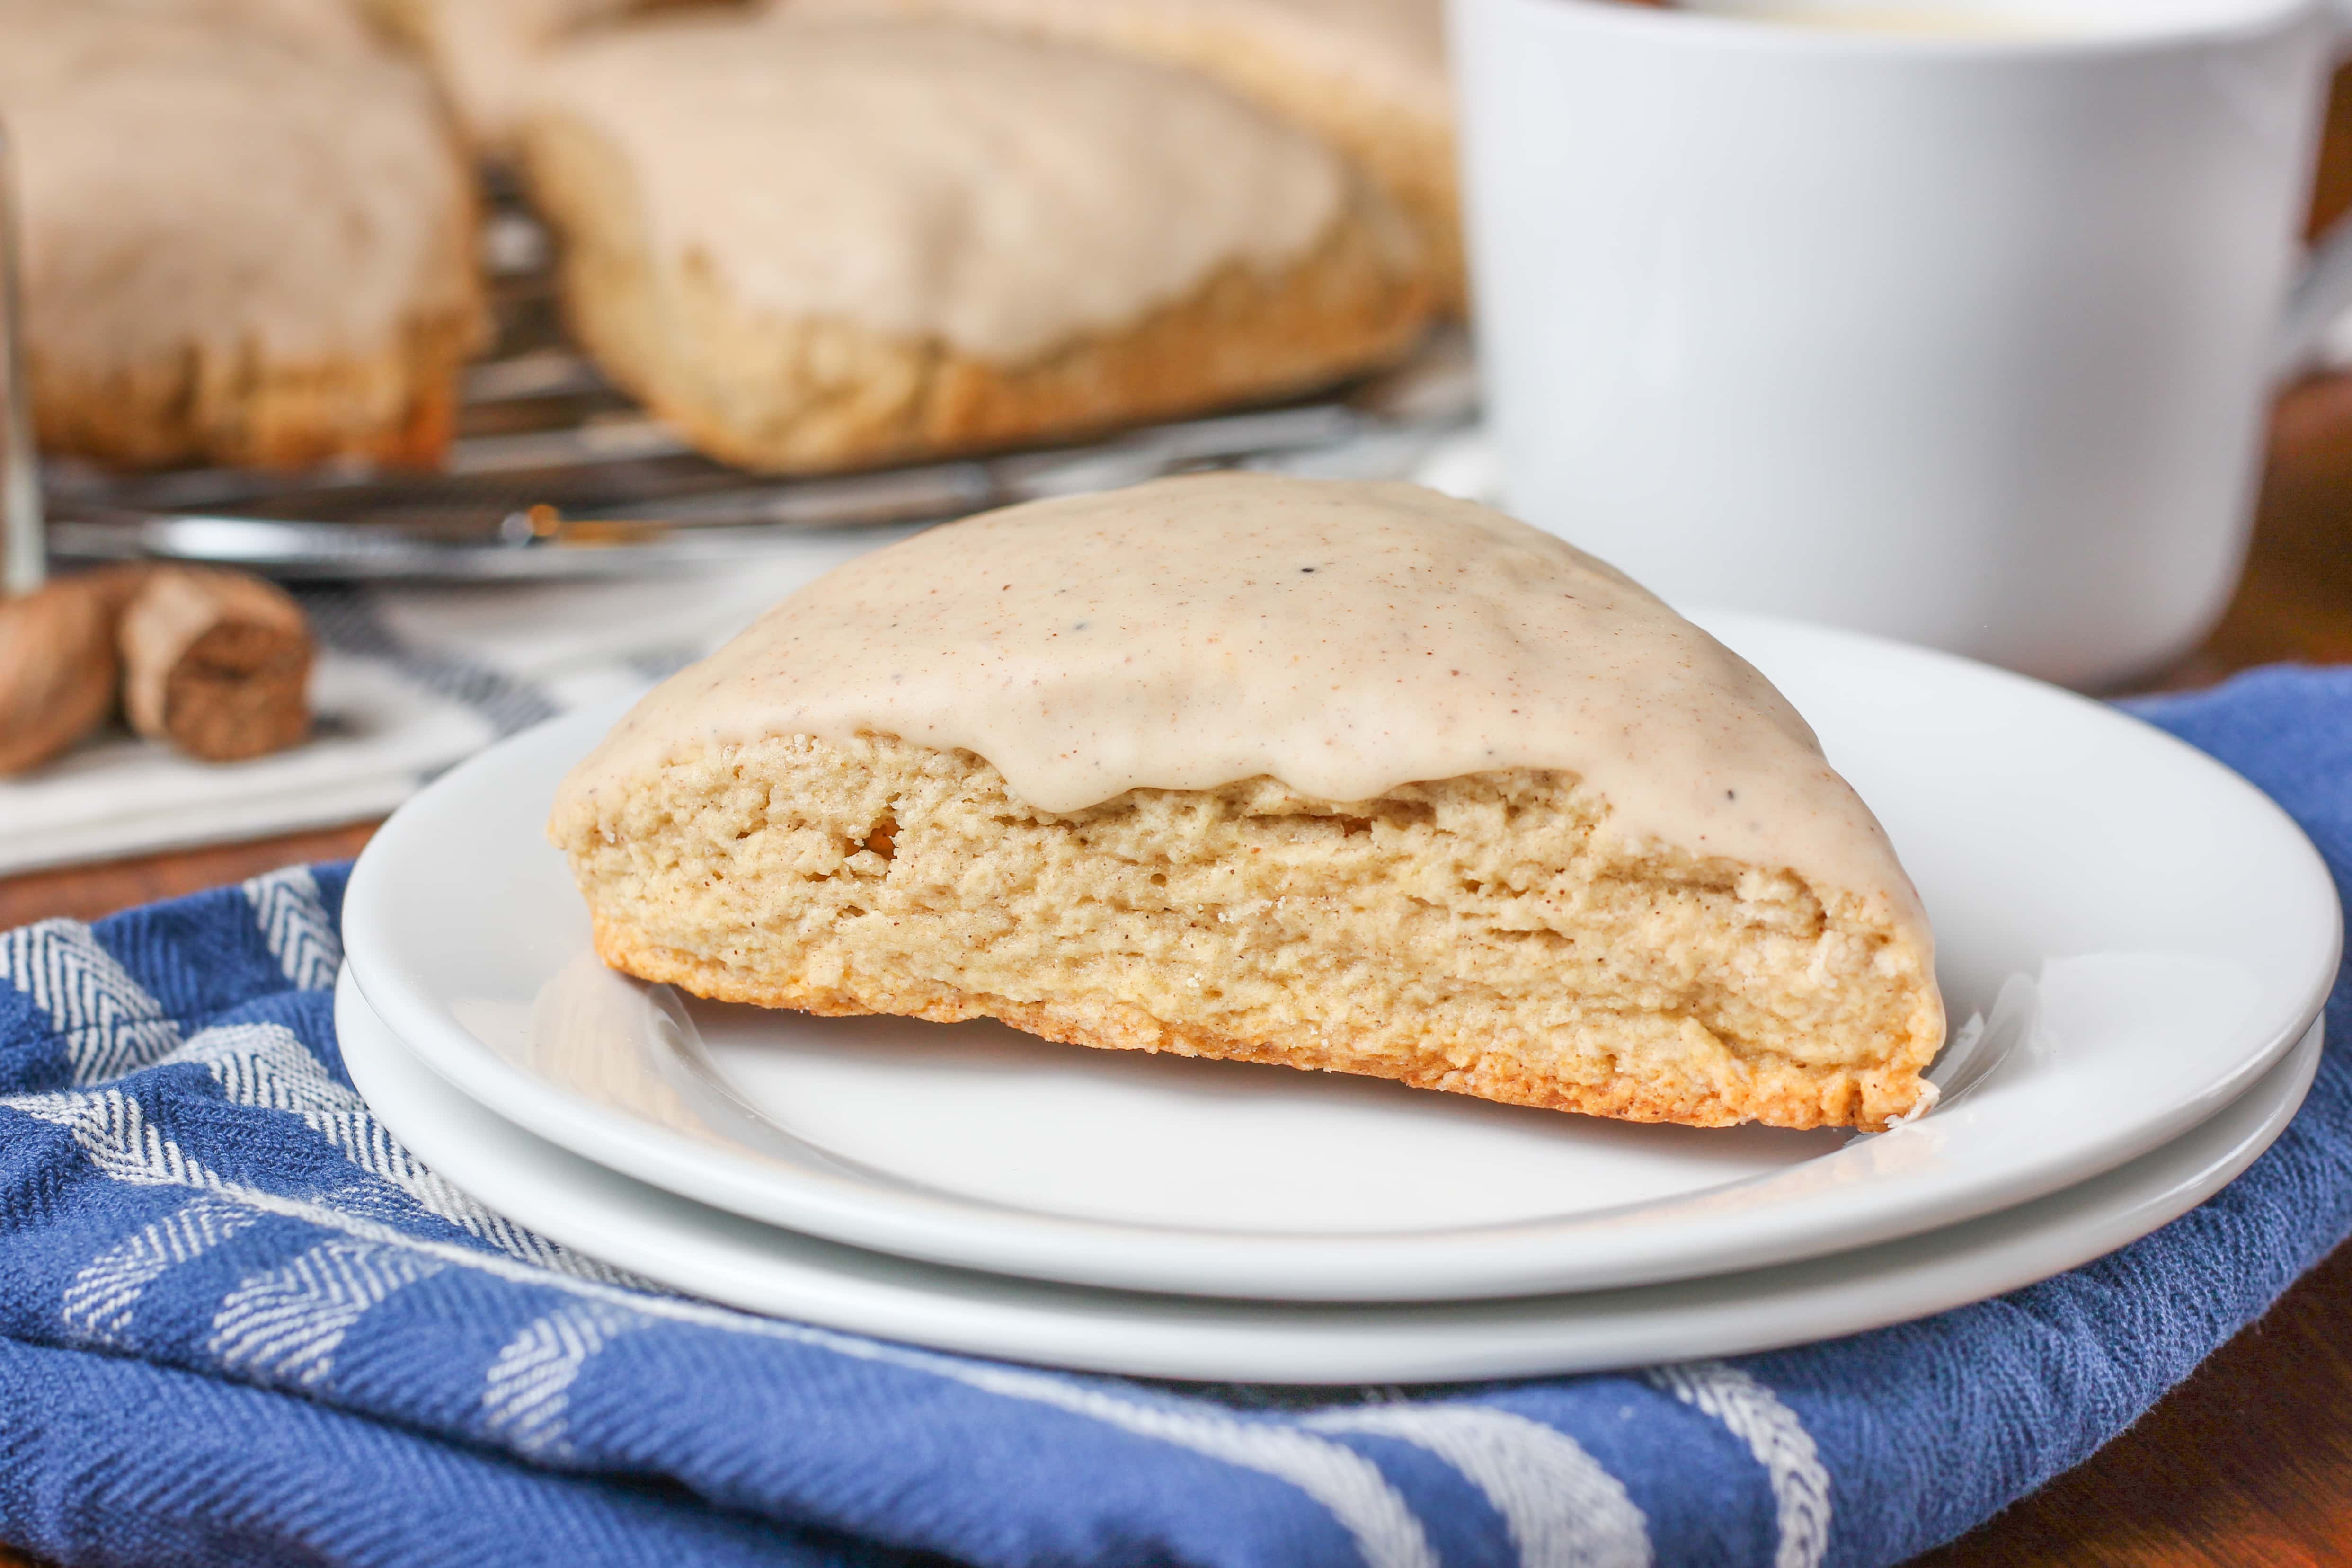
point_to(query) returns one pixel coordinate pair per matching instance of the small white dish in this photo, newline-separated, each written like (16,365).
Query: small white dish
(2143,933)
(693,1248)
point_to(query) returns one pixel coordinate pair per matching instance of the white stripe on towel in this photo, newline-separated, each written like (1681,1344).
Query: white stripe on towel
(293,921)
(1562,1508)
(527,1397)
(99,1300)
(265,1065)
(286,1325)
(113,1134)
(109,1024)
(1757,1417)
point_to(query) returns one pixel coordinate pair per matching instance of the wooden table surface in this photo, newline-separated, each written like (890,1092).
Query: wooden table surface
(2249,1463)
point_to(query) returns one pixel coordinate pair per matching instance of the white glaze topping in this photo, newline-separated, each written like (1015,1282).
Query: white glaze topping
(1343,638)
(182,183)
(332,25)
(485,51)
(1395,49)
(933,180)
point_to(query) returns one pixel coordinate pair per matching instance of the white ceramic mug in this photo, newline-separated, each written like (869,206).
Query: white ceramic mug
(1964,338)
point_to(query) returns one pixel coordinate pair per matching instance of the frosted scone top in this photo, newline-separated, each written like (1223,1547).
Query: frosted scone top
(939,181)
(186,184)
(1343,638)
(485,50)
(1396,47)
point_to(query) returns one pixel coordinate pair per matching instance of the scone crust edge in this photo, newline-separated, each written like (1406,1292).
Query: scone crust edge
(398,407)
(1786,1098)
(657,857)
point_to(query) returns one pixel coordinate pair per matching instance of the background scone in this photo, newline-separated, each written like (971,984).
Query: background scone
(814,245)
(338,26)
(1350,777)
(483,52)
(1368,75)
(239,247)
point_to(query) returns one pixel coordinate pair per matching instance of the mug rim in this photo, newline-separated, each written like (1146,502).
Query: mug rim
(1723,32)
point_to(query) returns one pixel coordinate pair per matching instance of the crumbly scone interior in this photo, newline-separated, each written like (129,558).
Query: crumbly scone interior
(1477,934)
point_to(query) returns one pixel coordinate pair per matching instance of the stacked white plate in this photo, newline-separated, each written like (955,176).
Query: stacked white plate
(2134,946)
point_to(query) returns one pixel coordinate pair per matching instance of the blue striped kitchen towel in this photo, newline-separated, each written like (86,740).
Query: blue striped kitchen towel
(239,1324)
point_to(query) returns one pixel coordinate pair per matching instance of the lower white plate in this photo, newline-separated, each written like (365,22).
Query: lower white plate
(746,1264)
(2143,933)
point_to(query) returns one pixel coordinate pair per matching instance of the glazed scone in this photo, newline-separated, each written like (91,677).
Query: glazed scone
(1340,776)
(483,52)
(335,25)
(1368,76)
(818,244)
(237,249)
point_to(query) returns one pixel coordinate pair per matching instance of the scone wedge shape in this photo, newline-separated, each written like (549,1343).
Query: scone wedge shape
(811,246)
(1337,775)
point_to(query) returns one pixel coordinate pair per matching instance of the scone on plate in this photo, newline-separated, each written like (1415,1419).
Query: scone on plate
(814,245)
(239,247)
(1340,776)
(1368,76)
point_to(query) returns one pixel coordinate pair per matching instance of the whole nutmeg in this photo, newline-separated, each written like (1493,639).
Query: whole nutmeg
(59,669)
(215,662)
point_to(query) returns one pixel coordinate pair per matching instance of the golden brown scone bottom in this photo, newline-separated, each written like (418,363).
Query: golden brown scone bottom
(806,395)
(398,407)
(1474,935)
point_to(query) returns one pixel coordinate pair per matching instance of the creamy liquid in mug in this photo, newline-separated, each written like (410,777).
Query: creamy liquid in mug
(1343,638)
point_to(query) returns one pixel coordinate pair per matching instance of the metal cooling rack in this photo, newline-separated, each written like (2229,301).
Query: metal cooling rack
(557,473)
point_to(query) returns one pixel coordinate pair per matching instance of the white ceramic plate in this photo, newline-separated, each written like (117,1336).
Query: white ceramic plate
(2145,932)
(762,1268)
